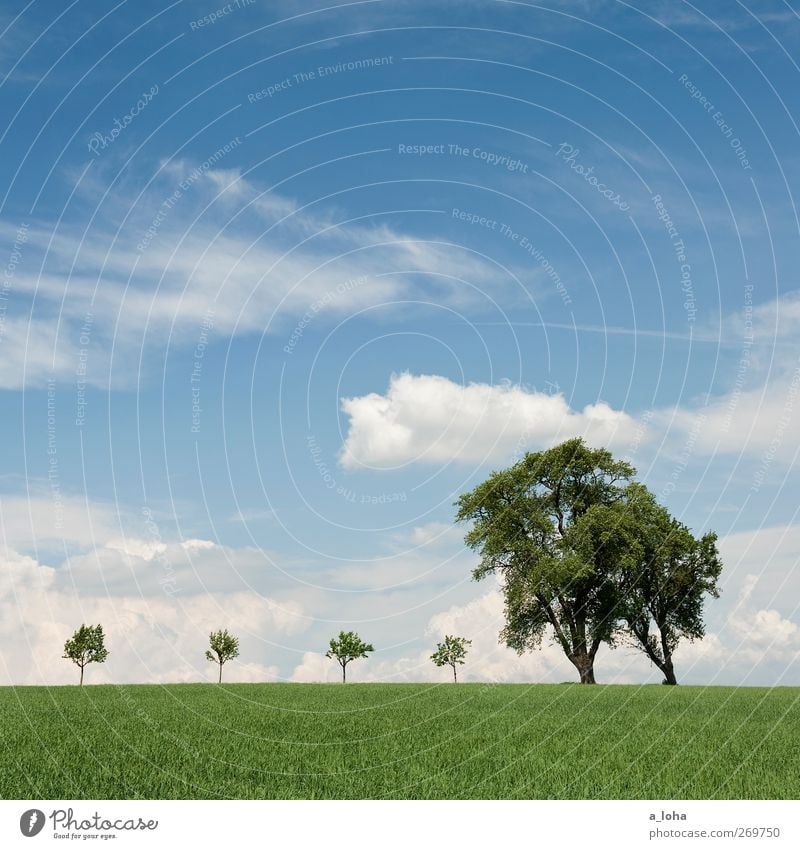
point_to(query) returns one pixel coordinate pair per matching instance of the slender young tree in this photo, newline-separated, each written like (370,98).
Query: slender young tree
(347,647)
(224,647)
(87,645)
(529,523)
(451,652)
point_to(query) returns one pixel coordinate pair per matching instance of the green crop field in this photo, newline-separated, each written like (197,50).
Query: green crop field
(400,741)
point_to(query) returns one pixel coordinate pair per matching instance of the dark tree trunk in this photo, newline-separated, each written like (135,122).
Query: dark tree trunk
(584,663)
(666,651)
(219,681)
(669,672)
(344,673)
(455,679)
(81,684)
(662,660)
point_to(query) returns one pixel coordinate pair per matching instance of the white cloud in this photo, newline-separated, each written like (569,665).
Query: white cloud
(33,351)
(755,422)
(44,521)
(434,533)
(193,567)
(316,667)
(143,549)
(755,414)
(153,637)
(760,627)
(430,419)
(252,260)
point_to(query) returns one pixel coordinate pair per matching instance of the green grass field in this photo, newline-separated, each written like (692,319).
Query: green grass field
(400,741)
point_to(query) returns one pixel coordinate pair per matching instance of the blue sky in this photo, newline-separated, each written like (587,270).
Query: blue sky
(281,280)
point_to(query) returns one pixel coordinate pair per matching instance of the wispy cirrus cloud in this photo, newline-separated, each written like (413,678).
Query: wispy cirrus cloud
(223,247)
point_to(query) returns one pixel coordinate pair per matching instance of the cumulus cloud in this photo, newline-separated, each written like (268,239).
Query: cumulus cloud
(431,419)
(754,412)
(154,636)
(157,599)
(757,422)
(760,634)
(57,519)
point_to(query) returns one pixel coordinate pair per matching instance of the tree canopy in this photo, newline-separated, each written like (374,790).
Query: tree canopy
(587,553)
(451,652)
(663,589)
(223,647)
(347,647)
(87,645)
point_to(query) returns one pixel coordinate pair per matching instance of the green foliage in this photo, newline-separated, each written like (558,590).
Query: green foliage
(87,645)
(224,647)
(537,524)
(399,741)
(584,550)
(663,590)
(451,652)
(347,647)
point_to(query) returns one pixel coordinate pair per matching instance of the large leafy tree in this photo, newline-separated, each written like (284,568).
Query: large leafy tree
(347,647)
(664,586)
(451,652)
(87,645)
(223,647)
(537,524)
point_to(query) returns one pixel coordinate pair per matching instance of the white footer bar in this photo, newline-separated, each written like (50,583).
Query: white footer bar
(410,825)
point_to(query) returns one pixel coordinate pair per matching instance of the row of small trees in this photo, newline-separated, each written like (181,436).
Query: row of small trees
(584,553)
(87,645)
